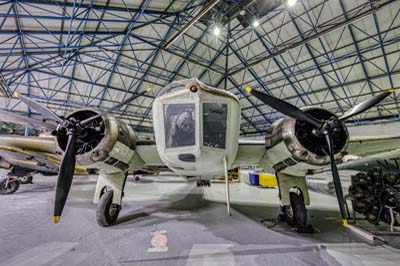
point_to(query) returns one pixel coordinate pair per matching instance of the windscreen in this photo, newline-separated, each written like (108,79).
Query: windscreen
(179,125)
(214,125)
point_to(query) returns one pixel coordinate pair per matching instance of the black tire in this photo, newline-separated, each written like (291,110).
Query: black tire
(10,188)
(295,214)
(137,178)
(26,179)
(107,212)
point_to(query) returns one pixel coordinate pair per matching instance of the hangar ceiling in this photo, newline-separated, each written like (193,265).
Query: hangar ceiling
(74,54)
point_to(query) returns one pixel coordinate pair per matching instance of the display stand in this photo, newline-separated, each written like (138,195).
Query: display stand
(368,233)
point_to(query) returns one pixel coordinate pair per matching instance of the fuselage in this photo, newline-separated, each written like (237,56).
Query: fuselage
(196,127)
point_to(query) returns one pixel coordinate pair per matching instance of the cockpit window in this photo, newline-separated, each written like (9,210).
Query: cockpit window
(179,125)
(214,125)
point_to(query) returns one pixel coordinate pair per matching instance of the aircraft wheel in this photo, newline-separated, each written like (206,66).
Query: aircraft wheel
(8,186)
(26,179)
(107,212)
(296,213)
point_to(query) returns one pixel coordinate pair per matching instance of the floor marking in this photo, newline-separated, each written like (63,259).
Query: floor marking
(159,241)
(40,255)
(211,255)
(355,254)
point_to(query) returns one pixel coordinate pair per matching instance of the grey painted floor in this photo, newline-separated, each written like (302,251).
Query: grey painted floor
(198,231)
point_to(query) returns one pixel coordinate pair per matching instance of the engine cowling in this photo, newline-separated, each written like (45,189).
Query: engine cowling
(108,144)
(292,146)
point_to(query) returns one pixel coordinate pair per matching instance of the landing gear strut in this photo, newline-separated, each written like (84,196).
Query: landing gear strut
(108,196)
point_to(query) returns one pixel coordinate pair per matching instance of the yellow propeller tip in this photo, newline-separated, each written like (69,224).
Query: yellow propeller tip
(148,89)
(15,94)
(248,89)
(391,90)
(56,219)
(345,222)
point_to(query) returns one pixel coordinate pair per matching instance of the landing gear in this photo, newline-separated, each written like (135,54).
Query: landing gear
(26,179)
(108,196)
(203,183)
(9,185)
(15,177)
(295,214)
(107,212)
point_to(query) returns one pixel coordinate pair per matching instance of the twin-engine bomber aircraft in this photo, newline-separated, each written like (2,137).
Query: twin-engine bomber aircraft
(197,135)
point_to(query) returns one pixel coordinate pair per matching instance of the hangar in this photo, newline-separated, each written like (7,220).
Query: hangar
(199,132)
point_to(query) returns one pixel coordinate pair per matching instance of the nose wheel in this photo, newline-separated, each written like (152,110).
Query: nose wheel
(295,214)
(107,212)
(203,183)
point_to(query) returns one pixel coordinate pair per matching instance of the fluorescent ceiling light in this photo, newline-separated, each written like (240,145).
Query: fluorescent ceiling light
(291,2)
(256,23)
(217,30)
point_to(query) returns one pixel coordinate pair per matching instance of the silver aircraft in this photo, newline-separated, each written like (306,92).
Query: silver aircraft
(196,131)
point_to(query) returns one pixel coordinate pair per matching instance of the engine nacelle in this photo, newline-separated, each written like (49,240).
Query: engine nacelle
(108,144)
(292,146)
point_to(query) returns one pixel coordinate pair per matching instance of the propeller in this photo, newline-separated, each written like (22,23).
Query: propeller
(116,107)
(24,120)
(43,110)
(324,128)
(74,130)
(285,107)
(65,175)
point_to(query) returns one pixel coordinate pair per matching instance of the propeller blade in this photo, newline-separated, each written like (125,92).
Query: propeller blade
(336,179)
(65,176)
(365,105)
(116,107)
(285,107)
(24,120)
(43,110)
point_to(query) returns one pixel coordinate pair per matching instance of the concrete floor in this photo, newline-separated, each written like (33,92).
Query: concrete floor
(194,221)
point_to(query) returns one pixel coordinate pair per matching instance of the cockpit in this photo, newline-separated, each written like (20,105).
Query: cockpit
(196,126)
(179,124)
(214,125)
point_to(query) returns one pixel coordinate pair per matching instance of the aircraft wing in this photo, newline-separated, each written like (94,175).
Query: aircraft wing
(35,144)
(34,153)
(147,150)
(382,151)
(250,152)
(11,156)
(322,182)
(23,151)
(10,117)
(363,146)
